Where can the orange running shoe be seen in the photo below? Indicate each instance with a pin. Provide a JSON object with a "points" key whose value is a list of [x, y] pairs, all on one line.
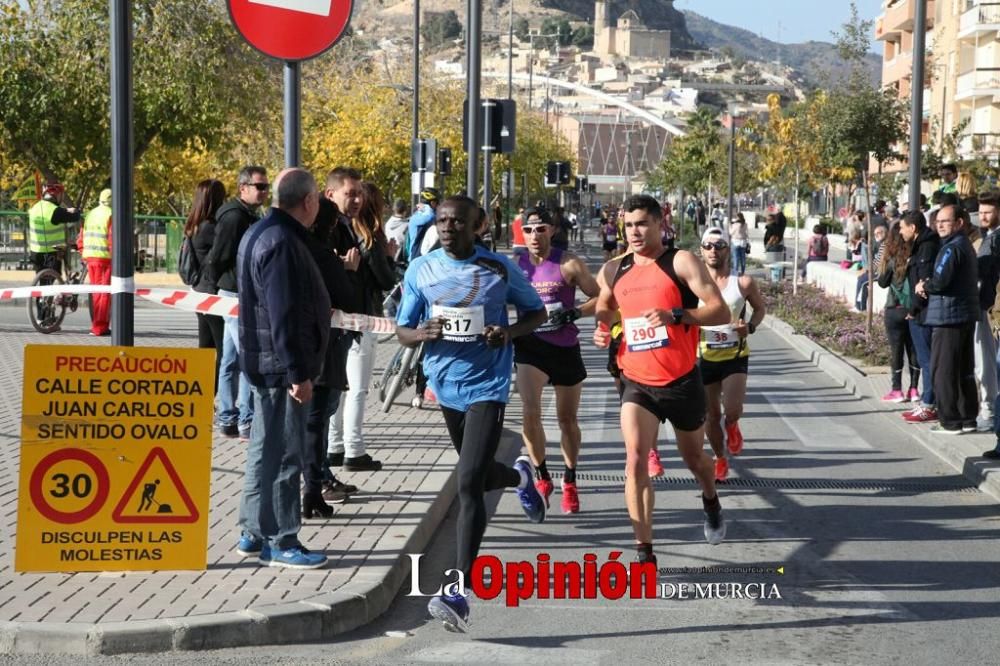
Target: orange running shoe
{"points": [[721, 469], [544, 488], [570, 498], [655, 466], [734, 438]]}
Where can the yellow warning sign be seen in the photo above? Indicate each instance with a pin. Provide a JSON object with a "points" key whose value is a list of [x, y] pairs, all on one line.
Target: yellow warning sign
{"points": [[116, 448]]}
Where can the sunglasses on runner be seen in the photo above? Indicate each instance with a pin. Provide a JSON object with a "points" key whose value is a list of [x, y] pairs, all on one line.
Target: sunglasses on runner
{"points": [[536, 229], [261, 187], [717, 245]]}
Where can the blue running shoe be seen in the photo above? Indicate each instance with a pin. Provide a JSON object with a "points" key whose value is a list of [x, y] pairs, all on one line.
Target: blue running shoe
{"points": [[249, 545], [296, 557], [531, 500], [452, 610]]}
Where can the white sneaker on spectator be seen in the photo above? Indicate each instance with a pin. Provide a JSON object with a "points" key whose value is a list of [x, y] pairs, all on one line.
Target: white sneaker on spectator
{"points": [[984, 423]]}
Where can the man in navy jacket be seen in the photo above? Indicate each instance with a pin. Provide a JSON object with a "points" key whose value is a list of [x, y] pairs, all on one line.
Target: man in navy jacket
{"points": [[953, 310], [284, 330]]}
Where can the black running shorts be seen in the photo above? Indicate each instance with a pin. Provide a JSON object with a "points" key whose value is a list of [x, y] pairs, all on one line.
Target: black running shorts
{"points": [[563, 365], [682, 401], [713, 372]]}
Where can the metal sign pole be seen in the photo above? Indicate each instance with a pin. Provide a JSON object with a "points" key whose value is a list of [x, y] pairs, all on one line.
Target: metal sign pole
{"points": [[415, 196], [473, 52], [293, 114], [122, 239], [488, 106]]}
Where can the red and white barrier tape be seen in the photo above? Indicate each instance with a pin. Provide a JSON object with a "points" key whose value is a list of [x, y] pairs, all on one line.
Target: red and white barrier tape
{"points": [[193, 301]]}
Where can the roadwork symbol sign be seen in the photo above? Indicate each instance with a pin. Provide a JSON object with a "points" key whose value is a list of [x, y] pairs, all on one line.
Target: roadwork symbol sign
{"points": [[156, 495], [116, 458]]}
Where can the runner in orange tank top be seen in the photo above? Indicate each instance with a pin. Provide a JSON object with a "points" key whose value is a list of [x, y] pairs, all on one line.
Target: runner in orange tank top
{"points": [[657, 291]]}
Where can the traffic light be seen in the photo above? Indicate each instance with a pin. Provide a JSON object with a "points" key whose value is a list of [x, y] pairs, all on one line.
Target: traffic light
{"points": [[556, 173], [444, 161], [581, 184]]}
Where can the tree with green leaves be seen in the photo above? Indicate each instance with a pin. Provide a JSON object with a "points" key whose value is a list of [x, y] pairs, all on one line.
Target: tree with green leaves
{"points": [[865, 122], [440, 27], [195, 80]]}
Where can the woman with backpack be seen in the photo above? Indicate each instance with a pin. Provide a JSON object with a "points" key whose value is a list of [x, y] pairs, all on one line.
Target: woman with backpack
{"points": [[199, 235], [891, 271]]}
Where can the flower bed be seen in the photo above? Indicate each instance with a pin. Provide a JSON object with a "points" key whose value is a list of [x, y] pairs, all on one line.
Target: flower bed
{"points": [[827, 322]]}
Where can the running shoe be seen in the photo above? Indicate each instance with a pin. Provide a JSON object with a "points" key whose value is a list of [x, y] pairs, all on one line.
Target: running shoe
{"points": [[715, 525], [921, 414], [452, 610], [721, 469], [984, 423], [894, 395], [249, 545], [940, 429], [994, 454], [296, 557], [570, 498], [642, 558], [913, 395], [734, 438], [545, 489], [531, 500], [417, 402], [655, 466]]}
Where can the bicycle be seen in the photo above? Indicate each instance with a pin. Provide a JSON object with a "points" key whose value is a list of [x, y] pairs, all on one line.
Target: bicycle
{"points": [[400, 371], [46, 313]]}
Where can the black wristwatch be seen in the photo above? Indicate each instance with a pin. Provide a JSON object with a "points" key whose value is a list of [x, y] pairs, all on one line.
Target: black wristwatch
{"points": [[678, 315], [751, 328]]}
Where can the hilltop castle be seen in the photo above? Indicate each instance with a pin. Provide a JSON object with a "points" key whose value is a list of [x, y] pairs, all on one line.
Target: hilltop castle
{"points": [[629, 37]]}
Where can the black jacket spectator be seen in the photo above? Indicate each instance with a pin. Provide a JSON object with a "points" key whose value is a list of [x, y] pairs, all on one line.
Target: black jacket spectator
{"points": [[232, 221], [342, 296], [952, 287], [284, 305], [919, 267], [988, 259], [202, 244]]}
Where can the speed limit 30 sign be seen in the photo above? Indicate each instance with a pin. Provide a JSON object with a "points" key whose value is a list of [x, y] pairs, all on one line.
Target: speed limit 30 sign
{"points": [[116, 454]]}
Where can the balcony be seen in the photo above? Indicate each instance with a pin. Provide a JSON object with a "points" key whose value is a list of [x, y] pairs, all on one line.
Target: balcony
{"points": [[977, 83], [900, 67], [899, 16], [979, 144], [982, 18], [883, 34]]}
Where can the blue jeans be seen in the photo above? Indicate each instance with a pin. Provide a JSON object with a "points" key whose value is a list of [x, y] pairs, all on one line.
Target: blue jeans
{"points": [[270, 507], [922, 345], [227, 410], [740, 259]]}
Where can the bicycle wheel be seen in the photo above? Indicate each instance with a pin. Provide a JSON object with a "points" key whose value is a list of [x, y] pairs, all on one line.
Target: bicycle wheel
{"points": [[397, 382], [47, 312], [391, 369]]}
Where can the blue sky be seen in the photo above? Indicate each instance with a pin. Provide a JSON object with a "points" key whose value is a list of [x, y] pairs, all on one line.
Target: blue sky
{"points": [[800, 20]]}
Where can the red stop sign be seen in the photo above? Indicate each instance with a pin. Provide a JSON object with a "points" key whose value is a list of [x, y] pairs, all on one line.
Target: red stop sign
{"points": [[291, 29]]}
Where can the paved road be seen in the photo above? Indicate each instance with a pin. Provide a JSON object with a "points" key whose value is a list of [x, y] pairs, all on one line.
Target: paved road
{"points": [[889, 555]]}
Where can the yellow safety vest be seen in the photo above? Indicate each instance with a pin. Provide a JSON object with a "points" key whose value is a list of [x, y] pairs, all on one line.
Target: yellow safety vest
{"points": [[95, 233], [43, 236]]}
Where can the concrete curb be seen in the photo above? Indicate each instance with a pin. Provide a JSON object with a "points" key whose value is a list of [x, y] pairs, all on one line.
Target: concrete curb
{"points": [[837, 368], [958, 452], [357, 603]]}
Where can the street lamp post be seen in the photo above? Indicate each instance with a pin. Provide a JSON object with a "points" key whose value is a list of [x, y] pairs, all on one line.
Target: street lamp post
{"points": [[416, 93], [531, 59], [732, 162]]}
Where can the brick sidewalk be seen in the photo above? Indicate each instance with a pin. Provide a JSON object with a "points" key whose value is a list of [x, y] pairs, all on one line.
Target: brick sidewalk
{"points": [[234, 601]]}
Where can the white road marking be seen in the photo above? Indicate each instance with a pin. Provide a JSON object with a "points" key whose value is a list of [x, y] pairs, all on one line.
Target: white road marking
{"points": [[813, 429], [480, 652]]}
